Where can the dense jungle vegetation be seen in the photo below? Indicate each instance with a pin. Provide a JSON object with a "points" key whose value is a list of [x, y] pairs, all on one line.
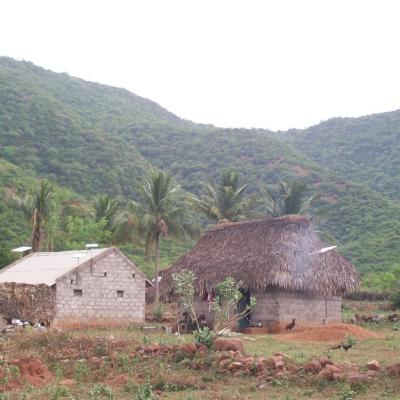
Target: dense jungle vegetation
{"points": [[90, 140]]}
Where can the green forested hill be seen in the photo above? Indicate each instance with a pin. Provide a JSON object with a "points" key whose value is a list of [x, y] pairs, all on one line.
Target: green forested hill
{"points": [[365, 149], [363, 222], [96, 139]]}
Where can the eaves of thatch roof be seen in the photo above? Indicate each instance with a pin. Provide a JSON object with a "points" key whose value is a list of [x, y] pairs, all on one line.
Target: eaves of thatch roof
{"points": [[278, 252]]}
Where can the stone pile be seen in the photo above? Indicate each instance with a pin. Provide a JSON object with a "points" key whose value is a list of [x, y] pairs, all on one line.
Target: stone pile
{"points": [[277, 366], [377, 318], [350, 373]]}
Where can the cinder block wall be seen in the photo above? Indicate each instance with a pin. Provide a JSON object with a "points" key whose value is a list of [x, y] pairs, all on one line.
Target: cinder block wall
{"points": [[278, 306], [275, 308], [100, 304]]}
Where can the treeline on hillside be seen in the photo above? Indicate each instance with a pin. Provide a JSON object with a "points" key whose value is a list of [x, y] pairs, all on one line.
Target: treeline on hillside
{"points": [[364, 150], [162, 210]]}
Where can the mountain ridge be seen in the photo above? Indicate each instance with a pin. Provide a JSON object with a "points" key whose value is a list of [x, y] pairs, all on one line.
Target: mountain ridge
{"points": [[95, 139]]}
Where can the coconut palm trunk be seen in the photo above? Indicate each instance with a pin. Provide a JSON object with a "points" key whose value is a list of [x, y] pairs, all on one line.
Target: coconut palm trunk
{"points": [[157, 249], [37, 233]]}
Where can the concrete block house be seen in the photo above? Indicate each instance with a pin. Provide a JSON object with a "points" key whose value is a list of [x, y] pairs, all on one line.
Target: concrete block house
{"points": [[98, 287], [281, 261]]}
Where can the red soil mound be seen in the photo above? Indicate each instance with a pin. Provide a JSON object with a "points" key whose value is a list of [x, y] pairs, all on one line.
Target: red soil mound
{"points": [[328, 333], [31, 370]]}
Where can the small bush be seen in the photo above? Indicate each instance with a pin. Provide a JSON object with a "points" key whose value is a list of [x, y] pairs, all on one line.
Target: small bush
{"points": [[124, 363], [346, 393], [158, 312], [204, 336], [100, 390], [144, 392], [82, 371], [57, 391]]}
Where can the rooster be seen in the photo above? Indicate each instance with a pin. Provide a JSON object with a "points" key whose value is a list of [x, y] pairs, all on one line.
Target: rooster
{"points": [[346, 347], [290, 326]]}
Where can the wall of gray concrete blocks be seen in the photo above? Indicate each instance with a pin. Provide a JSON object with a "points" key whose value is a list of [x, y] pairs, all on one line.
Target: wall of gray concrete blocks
{"points": [[282, 306], [275, 308], [100, 303]]}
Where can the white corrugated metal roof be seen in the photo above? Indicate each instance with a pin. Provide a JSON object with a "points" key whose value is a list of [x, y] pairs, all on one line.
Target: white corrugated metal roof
{"points": [[46, 267]]}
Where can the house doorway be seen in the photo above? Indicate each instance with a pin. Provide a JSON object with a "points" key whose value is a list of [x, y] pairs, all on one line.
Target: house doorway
{"points": [[241, 307]]}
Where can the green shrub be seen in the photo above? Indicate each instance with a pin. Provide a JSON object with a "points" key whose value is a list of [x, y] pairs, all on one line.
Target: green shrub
{"points": [[158, 312], [204, 336], [82, 371], [57, 391], [144, 392], [346, 393], [100, 390]]}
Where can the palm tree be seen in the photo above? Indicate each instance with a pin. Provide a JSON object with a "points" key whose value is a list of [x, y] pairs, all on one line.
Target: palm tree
{"points": [[162, 213], [290, 200], [37, 206], [106, 208], [226, 202]]}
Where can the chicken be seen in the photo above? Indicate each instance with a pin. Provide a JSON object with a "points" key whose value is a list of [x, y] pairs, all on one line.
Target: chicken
{"points": [[346, 347], [290, 326]]}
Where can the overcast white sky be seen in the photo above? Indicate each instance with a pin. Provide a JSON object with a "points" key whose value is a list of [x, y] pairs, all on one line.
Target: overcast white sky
{"points": [[268, 64]]}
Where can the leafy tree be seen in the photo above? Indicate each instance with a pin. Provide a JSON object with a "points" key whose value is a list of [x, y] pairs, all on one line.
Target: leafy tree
{"points": [[79, 231], [162, 213], [290, 199], [226, 202], [224, 305], [184, 287]]}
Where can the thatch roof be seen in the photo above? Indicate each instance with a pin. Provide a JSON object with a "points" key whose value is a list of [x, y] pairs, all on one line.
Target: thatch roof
{"points": [[278, 252]]}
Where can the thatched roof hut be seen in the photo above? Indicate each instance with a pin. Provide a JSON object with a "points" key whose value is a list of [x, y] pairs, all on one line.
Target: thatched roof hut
{"points": [[282, 253]]}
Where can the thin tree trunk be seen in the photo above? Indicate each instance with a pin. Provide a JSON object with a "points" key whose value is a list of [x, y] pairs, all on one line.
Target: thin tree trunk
{"points": [[147, 246], [36, 233], [157, 265]]}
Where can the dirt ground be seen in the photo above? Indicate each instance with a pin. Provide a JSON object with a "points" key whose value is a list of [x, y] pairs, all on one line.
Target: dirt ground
{"points": [[126, 364], [334, 333]]}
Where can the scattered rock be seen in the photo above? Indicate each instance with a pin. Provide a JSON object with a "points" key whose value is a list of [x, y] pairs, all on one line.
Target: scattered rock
{"points": [[235, 365], [356, 378], [313, 367], [325, 361], [393, 370], [330, 372], [228, 344], [188, 348], [373, 365]]}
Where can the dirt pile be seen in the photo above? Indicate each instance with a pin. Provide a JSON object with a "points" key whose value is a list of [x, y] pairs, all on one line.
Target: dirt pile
{"points": [[329, 333], [14, 374], [33, 371]]}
